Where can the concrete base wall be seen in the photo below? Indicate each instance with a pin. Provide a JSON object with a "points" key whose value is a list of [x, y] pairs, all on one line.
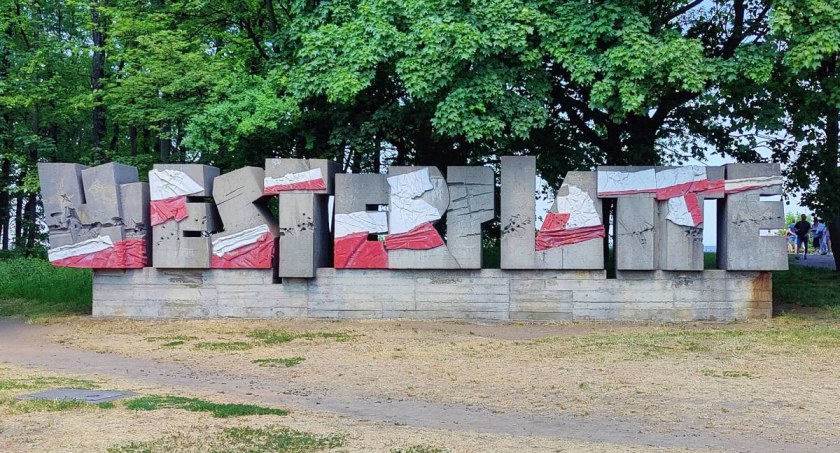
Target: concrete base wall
{"points": [[489, 294]]}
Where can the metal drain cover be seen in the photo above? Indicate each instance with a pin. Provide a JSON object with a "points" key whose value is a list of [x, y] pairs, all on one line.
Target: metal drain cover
{"points": [[88, 396]]}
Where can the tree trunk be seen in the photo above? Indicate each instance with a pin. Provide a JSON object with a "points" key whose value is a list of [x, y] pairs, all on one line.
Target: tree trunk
{"points": [[165, 144], [832, 154], [5, 203], [19, 213], [132, 139], [96, 76]]}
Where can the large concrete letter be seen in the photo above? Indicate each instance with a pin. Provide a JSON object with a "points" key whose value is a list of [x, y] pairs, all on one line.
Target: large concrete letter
{"points": [[303, 187], [249, 228], [742, 215], [418, 199], [471, 203], [96, 216], [518, 216], [571, 236], [357, 215], [182, 226]]}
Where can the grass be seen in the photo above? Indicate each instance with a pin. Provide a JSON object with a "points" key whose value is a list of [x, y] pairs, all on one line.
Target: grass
{"points": [[241, 439], [219, 410], [277, 336], [809, 287], [788, 336], [222, 346], [183, 338], [33, 288], [46, 382], [44, 405], [419, 449], [278, 362]]}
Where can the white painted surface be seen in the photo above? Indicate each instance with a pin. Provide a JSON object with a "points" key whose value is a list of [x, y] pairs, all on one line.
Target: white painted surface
{"points": [[678, 212], [624, 181], [294, 178], [360, 222], [407, 209], [580, 207], [681, 175], [225, 244], [94, 245], [165, 184]]}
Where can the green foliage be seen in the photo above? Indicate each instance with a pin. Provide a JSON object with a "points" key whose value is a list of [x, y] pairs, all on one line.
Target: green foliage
{"points": [[274, 336], [220, 410], [239, 439], [806, 286], [290, 362], [33, 288], [222, 346]]}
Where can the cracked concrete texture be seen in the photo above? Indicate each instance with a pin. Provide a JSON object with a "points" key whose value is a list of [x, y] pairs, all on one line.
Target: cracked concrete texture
{"points": [[635, 241]]}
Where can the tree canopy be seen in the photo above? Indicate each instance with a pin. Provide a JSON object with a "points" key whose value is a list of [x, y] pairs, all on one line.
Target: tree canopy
{"points": [[431, 82]]}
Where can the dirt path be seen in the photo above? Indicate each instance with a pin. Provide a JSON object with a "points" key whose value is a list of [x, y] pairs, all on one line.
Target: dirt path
{"points": [[27, 346]]}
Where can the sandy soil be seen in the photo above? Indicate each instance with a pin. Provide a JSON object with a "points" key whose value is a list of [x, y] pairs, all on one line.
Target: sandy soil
{"points": [[564, 387]]}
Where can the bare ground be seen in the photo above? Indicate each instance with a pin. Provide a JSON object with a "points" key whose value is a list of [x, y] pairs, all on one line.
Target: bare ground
{"points": [[767, 386]]}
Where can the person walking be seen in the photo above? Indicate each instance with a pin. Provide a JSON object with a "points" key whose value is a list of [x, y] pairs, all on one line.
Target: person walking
{"points": [[791, 237], [824, 238], [819, 233], [802, 228]]}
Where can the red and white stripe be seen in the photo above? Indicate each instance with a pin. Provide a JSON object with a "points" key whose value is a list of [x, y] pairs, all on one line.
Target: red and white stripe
{"points": [[352, 249], [168, 190], [575, 221], [101, 253], [306, 180], [680, 186], [248, 249]]}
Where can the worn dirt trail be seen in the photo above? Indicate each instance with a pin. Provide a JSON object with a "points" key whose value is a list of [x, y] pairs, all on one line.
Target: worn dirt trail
{"points": [[27, 345]]}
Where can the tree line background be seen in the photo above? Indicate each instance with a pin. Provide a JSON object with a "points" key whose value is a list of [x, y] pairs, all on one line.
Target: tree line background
{"points": [[437, 82]]}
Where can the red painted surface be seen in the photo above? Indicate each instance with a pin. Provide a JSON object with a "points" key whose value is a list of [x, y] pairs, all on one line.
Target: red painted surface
{"points": [[744, 189], [252, 256], [312, 184], [558, 238], [704, 187], [422, 237], [692, 202], [125, 254], [354, 251], [168, 209]]}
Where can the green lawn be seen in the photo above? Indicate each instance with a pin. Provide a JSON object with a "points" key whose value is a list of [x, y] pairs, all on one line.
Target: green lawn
{"points": [[34, 288]]}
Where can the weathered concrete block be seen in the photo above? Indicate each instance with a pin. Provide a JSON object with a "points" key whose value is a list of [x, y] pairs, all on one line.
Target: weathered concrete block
{"points": [[304, 242], [471, 204], [184, 243], [742, 215], [102, 192], [635, 233], [240, 200], [518, 240]]}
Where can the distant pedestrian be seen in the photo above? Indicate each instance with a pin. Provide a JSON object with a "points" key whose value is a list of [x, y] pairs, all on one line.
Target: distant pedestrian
{"points": [[824, 238], [819, 231], [802, 228], [791, 237]]}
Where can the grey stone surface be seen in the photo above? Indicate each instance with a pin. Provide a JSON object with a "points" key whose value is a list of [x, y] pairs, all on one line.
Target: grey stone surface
{"points": [[680, 248], [62, 194], [187, 244], [277, 168], [471, 203], [583, 255], [437, 197], [743, 215], [304, 242], [240, 201], [82, 203], [489, 294], [625, 168], [102, 192], [356, 193], [635, 232], [134, 198], [518, 236]]}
